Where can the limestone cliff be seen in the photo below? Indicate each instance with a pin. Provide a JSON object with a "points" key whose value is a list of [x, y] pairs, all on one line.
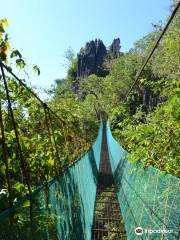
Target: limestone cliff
{"points": [[92, 57]]}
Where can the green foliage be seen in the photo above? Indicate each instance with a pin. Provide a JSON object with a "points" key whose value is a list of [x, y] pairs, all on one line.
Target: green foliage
{"points": [[15, 53], [20, 63], [4, 41], [72, 71], [155, 142], [36, 70], [153, 139], [39, 151]]}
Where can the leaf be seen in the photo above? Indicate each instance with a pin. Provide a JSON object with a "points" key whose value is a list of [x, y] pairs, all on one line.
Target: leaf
{"points": [[20, 63], [18, 186], [16, 53], [142, 80], [4, 23], [9, 68], [3, 55], [36, 70], [3, 170], [26, 204], [1, 29]]}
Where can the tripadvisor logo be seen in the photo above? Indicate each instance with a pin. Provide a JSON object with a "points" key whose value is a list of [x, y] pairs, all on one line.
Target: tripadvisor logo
{"points": [[139, 231]]}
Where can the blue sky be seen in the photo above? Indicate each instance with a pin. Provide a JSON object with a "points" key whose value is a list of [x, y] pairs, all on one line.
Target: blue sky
{"points": [[43, 29]]}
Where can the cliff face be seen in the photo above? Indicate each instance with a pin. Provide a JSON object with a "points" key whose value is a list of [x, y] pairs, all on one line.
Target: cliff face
{"points": [[90, 60], [92, 56], [115, 47]]}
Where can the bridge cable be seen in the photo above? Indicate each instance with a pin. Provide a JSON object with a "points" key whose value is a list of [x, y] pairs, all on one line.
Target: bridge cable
{"points": [[153, 50], [55, 142], [5, 159], [31, 91], [21, 157]]}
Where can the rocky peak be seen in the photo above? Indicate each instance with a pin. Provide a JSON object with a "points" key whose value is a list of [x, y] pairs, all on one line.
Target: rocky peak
{"points": [[115, 47], [92, 56], [90, 59]]}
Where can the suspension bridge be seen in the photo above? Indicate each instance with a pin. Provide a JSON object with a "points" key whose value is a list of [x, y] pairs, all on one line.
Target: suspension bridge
{"points": [[99, 196]]}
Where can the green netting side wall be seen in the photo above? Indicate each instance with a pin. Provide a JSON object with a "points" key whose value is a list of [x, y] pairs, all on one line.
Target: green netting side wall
{"points": [[148, 198], [61, 209]]}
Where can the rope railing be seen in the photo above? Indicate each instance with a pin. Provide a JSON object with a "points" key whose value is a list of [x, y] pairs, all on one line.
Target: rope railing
{"points": [[21, 157], [30, 90], [48, 125], [148, 197], [153, 50], [5, 159]]}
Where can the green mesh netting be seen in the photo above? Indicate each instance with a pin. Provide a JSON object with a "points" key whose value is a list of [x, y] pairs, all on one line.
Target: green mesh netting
{"points": [[60, 209], [148, 198]]}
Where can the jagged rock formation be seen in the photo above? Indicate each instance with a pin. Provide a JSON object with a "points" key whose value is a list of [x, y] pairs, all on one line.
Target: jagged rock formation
{"points": [[92, 57], [115, 47]]}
